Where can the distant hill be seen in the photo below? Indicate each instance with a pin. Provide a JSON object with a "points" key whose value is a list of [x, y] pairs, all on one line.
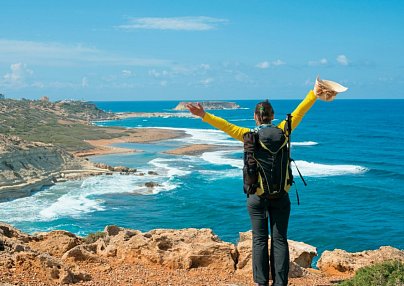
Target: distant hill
{"points": [[63, 123], [210, 105]]}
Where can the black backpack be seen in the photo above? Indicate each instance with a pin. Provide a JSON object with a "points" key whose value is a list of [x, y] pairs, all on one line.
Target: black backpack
{"points": [[267, 161]]}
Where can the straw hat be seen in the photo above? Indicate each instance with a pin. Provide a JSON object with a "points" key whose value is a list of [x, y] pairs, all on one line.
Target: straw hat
{"points": [[327, 89]]}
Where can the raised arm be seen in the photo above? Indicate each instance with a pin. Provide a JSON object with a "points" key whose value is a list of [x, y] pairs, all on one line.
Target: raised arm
{"points": [[233, 130], [300, 111]]}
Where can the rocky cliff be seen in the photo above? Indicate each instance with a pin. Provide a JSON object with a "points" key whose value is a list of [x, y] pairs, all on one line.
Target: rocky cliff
{"points": [[210, 105], [28, 166], [120, 256]]}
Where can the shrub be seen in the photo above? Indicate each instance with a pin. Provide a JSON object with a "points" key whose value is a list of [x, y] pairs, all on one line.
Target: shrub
{"points": [[389, 273], [94, 236]]}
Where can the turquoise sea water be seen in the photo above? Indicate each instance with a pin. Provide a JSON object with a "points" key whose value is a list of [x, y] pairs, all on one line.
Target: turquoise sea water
{"points": [[351, 153]]}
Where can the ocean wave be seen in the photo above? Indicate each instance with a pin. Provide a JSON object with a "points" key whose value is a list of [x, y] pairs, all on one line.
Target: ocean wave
{"points": [[84, 199], [75, 198], [304, 143], [312, 169], [246, 119], [220, 158], [309, 169], [204, 136], [163, 165], [213, 175]]}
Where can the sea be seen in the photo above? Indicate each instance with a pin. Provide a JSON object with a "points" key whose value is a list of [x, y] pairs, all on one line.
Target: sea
{"points": [[350, 152]]}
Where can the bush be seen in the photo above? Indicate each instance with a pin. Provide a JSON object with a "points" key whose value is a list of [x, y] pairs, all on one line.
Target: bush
{"points": [[389, 273], [94, 236]]}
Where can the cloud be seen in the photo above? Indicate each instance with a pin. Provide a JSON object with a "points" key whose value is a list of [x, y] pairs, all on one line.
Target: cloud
{"points": [[266, 64], [17, 76], [56, 54], [321, 62], [200, 23], [127, 73], [278, 63], [206, 81], [342, 60], [263, 65]]}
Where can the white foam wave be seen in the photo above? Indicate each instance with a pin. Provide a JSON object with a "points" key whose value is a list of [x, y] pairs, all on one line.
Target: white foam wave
{"points": [[219, 158], [70, 205], [75, 198], [304, 143], [163, 166], [205, 136], [236, 120], [309, 169], [212, 175], [83, 199], [312, 169]]}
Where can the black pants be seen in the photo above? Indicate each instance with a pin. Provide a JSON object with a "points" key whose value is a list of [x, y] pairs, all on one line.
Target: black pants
{"points": [[278, 211]]}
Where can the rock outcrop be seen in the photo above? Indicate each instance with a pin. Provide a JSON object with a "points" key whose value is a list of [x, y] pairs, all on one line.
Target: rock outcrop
{"points": [[60, 257], [210, 105], [340, 260], [20, 259]]}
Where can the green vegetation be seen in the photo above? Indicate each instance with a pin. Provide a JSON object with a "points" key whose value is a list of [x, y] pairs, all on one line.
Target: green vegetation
{"points": [[64, 124], [389, 273], [94, 236]]}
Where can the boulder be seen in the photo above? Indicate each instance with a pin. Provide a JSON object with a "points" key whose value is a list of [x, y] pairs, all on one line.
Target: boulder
{"points": [[342, 261], [56, 243], [176, 249], [81, 253]]}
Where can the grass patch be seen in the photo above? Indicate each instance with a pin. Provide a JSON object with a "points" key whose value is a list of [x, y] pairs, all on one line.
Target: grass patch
{"points": [[389, 273]]}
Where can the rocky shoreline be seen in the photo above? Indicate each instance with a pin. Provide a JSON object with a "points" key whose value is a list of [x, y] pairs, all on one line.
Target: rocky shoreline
{"points": [[26, 167], [120, 256]]}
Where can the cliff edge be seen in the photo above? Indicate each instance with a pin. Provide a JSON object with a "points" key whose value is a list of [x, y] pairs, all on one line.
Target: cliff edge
{"points": [[28, 166], [121, 256]]}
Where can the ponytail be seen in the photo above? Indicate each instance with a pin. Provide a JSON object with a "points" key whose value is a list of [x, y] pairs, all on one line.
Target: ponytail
{"points": [[264, 112]]}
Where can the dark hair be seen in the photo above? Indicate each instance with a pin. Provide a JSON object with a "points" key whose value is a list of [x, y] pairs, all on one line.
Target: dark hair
{"points": [[264, 112]]}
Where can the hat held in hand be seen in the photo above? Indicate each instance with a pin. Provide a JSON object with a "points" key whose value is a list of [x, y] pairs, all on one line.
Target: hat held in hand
{"points": [[327, 90]]}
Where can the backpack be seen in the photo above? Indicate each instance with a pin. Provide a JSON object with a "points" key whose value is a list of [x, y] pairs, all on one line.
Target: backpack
{"points": [[267, 161]]}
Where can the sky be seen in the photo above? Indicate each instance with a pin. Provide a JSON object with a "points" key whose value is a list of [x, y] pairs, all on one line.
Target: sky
{"points": [[199, 50]]}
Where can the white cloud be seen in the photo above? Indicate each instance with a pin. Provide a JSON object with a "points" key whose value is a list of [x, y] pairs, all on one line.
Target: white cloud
{"points": [[320, 62], [206, 81], [342, 60], [17, 76], [205, 66], [263, 65], [127, 73], [56, 54], [278, 63], [266, 64], [200, 23]]}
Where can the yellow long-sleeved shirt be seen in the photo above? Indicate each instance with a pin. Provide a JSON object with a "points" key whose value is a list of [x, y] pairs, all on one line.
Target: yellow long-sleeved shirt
{"points": [[237, 132]]}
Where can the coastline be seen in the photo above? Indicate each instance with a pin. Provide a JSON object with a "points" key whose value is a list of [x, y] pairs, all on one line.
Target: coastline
{"points": [[143, 135]]}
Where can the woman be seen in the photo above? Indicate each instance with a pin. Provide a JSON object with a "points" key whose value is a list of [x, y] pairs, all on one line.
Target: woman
{"points": [[258, 206]]}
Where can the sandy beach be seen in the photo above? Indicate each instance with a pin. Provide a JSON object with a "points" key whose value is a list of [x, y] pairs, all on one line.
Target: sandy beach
{"points": [[143, 135], [194, 150]]}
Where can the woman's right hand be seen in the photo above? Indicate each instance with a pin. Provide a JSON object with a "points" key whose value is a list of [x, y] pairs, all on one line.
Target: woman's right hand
{"points": [[196, 109]]}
